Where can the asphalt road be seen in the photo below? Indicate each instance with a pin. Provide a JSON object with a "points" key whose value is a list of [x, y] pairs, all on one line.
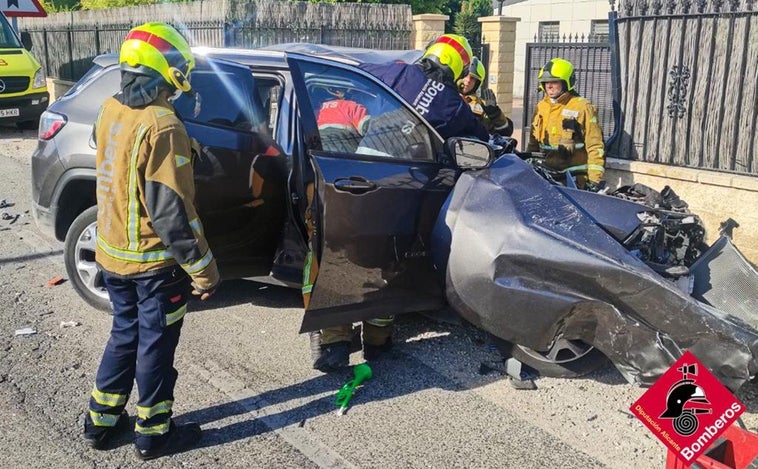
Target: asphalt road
{"points": [[245, 376]]}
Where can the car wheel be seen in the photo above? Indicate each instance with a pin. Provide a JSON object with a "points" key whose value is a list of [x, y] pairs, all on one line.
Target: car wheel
{"points": [[565, 359], [79, 257]]}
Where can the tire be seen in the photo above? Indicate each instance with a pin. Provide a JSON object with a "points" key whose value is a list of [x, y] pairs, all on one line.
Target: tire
{"points": [[79, 257], [566, 359]]}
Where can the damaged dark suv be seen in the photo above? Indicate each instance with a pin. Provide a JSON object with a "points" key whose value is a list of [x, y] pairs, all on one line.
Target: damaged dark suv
{"points": [[565, 277]]}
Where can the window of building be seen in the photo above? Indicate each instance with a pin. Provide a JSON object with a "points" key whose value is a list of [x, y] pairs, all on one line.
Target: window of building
{"points": [[548, 31], [599, 30]]}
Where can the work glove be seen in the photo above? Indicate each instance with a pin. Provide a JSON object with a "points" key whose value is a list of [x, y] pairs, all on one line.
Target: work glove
{"points": [[489, 96], [593, 186], [206, 282], [565, 150], [492, 111]]}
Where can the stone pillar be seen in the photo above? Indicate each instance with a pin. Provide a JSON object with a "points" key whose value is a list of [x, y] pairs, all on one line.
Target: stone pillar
{"points": [[500, 33], [425, 28]]}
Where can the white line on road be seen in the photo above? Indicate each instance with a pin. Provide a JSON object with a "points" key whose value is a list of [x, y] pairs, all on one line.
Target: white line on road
{"points": [[270, 415]]}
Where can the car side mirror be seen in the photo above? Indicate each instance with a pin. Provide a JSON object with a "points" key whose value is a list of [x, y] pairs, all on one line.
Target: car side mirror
{"points": [[469, 153], [26, 40]]}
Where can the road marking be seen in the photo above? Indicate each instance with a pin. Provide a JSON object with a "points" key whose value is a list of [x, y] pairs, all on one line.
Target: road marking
{"points": [[270, 415]]}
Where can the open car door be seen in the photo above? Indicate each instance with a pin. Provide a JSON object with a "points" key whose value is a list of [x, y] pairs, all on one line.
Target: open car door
{"points": [[231, 126], [378, 187]]}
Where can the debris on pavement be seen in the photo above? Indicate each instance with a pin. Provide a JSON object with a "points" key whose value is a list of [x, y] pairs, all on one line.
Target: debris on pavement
{"points": [[4, 203], [68, 324], [361, 373], [25, 331], [520, 377], [6, 216], [55, 281]]}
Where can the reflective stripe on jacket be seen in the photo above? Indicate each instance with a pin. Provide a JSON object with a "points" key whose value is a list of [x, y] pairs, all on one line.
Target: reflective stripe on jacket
{"points": [[548, 133], [146, 220]]}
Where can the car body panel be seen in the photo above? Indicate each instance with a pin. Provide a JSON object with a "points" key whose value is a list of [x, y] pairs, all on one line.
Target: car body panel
{"points": [[540, 267]]}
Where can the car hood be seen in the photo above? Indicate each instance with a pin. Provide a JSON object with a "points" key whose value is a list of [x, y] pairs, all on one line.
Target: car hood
{"points": [[528, 264], [17, 62]]}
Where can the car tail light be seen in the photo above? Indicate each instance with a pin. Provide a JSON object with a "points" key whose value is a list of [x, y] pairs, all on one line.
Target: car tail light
{"points": [[50, 123]]}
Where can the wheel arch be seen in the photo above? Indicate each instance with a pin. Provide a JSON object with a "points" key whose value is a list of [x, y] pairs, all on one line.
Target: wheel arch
{"points": [[75, 194]]}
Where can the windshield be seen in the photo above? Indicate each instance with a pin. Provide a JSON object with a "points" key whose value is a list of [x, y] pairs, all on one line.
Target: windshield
{"points": [[8, 37]]}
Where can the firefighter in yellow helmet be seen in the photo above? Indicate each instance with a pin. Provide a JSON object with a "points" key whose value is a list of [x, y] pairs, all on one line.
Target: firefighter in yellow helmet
{"points": [[150, 243], [484, 107], [565, 127]]}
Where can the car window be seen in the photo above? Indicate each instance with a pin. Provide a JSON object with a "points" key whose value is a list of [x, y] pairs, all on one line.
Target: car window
{"points": [[84, 81], [228, 98], [270, 92], [356, 115], [7, 36]]}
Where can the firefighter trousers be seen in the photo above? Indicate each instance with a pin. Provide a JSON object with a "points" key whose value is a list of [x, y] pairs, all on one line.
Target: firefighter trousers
{"points": [[148, 314]]}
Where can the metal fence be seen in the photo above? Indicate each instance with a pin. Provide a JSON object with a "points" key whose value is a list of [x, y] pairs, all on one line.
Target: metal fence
{"points": [[592, 65], [688, 72], [66, 43]]}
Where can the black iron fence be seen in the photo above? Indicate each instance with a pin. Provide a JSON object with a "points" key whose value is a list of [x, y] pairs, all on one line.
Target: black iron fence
{"points": [[593, 67], [688, 72]]}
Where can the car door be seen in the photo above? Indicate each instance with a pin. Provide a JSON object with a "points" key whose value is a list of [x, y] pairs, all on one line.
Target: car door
{"points": [[232, 128], [380, 179]]}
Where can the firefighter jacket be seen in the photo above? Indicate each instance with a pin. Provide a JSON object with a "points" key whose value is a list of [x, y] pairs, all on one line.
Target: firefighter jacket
{"points": [[567, 131], [146, 220], [343, 114], [497, 124], [438, 102]]}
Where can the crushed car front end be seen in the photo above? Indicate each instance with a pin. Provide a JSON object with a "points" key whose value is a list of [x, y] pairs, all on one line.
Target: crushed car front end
{"points": [[533, 263]]}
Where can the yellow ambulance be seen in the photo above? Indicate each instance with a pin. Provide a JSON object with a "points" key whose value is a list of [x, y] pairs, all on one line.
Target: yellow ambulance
{"points": [[23, 91]]}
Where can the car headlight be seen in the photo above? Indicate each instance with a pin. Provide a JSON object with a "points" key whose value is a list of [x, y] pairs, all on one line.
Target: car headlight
{"points": [[39, 79]]}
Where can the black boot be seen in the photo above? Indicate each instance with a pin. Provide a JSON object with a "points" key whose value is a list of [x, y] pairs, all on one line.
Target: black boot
{"points": [[179, 438], [332, 357], [374, 352], [99, 437]]}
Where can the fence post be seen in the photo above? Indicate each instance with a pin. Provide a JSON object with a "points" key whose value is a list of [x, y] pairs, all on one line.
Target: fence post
{"points": [[613, 38], [71, 53], [47, 57], [500, 33], [97, 40], [427, 27]]}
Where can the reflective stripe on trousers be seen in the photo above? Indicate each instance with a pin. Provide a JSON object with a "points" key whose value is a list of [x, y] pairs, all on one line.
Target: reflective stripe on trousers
{"points": [[148, 315]]}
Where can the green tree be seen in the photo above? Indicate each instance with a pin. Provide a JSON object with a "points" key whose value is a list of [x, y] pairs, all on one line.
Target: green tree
{"points": [[466, 21]]}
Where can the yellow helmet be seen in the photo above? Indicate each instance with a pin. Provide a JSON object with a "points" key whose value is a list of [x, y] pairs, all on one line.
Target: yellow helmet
{"points": [[159, 48], [476, 69], [557, 70], [451, 51]]}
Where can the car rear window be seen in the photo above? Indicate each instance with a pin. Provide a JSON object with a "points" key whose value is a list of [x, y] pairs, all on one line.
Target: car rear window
{"points": [[85, 80]]}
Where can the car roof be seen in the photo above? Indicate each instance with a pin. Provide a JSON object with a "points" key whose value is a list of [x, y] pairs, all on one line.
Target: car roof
{"points": [[274, 56]]}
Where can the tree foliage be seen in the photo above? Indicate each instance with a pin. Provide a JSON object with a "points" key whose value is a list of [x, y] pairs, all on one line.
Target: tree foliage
{"points": [[466, 21]]}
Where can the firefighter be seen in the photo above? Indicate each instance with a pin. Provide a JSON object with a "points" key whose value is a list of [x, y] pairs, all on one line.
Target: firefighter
{"points": [[486, 109], [341, 122], [429, 86], [565, 127], [150, 243]]}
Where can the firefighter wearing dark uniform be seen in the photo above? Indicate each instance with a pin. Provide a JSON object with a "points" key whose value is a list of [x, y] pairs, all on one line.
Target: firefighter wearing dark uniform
{"points": [[565, 127], [150, 243], [487, 110], [430, 87]]}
